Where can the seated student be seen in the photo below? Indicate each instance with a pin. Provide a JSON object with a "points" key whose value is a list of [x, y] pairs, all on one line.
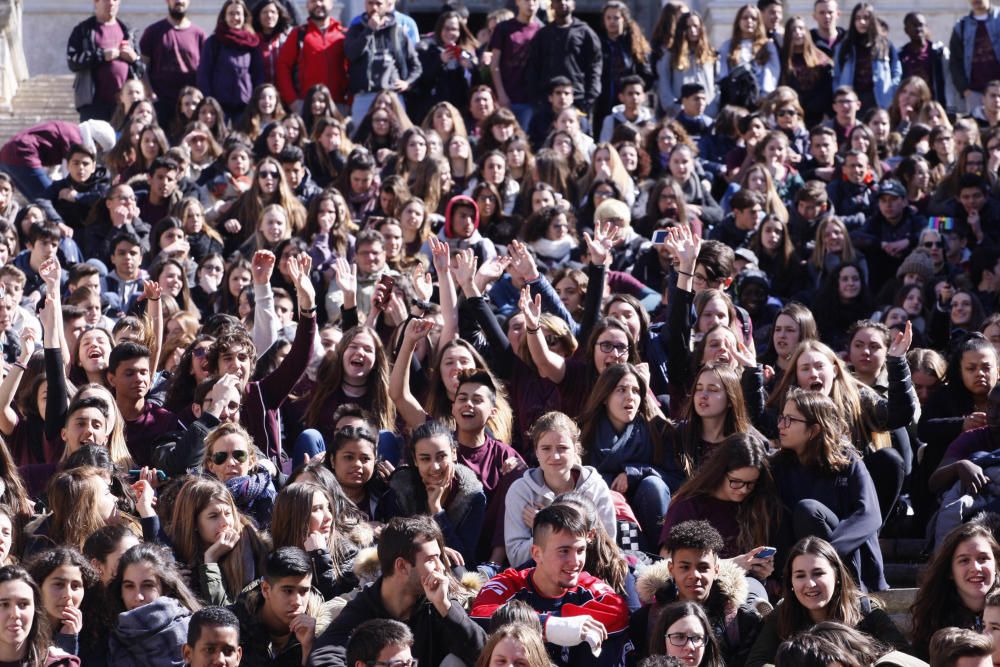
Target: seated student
{"points": [[580, 613], [85, 184], [695, 573], [27, 642], [152, 607], [846, 106], [890, 232], [957, 647], [955, 584], [230, 457], [216, 401], [13, 281], [213, 639], [684, 633], [438, 485], [116, 214], [692, 116], [124, 282], [381, 641], [851, 195], [414, 588], [976, 214], [737, 227], [43, 243], [820, 588], [278, 614], [821, 162], [461, 229], [632, 110], [162, 193], [560, 98], [300, 181], [128, 376], [515, 642]]}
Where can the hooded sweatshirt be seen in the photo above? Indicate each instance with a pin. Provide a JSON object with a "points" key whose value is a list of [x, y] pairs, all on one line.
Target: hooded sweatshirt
{"points": [[482, 246], [531, 490]]}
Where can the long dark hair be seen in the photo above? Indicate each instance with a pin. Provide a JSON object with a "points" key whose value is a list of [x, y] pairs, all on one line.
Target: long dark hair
{"points": [[163, 563], [874, 41], [737, 419], [757, 513], [596, 407]]}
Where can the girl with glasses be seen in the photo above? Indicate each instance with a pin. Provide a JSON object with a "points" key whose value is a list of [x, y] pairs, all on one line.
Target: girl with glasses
{"points": [[687, 636], [819, 587], [219, 544], [734, 491], [825, 486], [231, 458]]}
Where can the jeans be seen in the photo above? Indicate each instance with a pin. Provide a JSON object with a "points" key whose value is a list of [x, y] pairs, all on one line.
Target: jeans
{"points": [[31, 182], [310, 442], [362, 102], [523, 113], [650, 502]]}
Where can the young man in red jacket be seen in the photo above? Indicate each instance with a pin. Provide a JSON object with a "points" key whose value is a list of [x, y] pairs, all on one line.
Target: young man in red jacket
{"points": [[585, 622], [313, 53]]}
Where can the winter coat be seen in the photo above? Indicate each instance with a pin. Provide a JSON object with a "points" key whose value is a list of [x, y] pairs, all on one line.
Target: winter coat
{"points": [[310, 56], [573, 51], [150, 636], [962, 43], [83, 56], [531, 490], [228, 74], [462, 518], [886, 73], [378, 59], [735, 623]]}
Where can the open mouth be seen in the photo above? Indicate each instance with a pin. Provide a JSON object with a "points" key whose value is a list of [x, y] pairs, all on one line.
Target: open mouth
{"points": [[816, 386]]}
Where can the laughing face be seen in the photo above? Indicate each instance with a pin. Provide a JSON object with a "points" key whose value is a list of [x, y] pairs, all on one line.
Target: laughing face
{"points": [[973, 568], [814, 583], [473, 407], [435, 459], [359, 357]]}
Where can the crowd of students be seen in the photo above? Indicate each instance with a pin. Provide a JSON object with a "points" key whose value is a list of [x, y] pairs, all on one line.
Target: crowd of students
{"points": [[344, 345]]}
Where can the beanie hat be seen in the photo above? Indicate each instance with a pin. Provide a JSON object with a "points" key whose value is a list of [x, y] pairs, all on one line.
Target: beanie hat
{"points": [[97, 134], [459, 200], [918, 262]]}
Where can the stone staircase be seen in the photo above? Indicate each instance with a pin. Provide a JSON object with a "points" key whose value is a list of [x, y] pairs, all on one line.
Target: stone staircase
{"points": [[40, 98]]}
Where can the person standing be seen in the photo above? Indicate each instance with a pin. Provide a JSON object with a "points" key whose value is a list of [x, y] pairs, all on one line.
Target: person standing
{"points": [[510, 45], [568, 47], [171, 51], [231, 65], [313, 54], [102, 53], [381, 57], [975, 52]]}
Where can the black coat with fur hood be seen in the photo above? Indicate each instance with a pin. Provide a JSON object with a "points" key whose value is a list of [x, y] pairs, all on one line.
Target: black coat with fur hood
{"points": [[735, 622]]}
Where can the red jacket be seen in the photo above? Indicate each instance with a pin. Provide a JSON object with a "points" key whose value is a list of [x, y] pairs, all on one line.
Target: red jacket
{"points": [[321, 60]]}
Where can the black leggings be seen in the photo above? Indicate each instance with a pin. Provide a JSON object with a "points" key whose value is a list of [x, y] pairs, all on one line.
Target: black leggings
{"points": [[887, 471]]}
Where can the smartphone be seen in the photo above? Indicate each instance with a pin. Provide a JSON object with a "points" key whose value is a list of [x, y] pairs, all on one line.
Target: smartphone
{"points": [[160, 475], [389, 282], [659, 236], [766, 552]]}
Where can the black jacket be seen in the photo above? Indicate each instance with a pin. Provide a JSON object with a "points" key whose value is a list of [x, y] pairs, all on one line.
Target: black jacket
{"points": [[83, 56], [572, 51], [378, 59], [434, 636], [73, 213]]}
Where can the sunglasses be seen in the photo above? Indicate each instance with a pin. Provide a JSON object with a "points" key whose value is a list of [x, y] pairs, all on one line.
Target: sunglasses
{"points": [[933, 244], [200, 352], [787, 112], [239, 455], [267, 174]]}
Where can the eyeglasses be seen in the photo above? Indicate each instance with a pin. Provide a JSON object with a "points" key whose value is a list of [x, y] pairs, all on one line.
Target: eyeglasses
{"points": [[933, 244], [267, 174], [787, 112], [682, 639], [125, 198], [240, 455], [784, 421], [608, 347], [412, 662], [737, 484]]}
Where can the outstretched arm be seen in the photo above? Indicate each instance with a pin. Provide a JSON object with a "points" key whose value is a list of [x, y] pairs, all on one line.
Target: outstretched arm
{"points": [[399, 381], [446, 290]]}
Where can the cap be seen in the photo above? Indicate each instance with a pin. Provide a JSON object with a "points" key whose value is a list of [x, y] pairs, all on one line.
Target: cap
{"points": [[747, 255], [891, 187], [97, 135]]}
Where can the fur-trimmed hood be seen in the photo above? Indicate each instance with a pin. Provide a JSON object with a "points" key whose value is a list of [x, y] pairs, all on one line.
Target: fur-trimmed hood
{"points": [[654, 584], [412, 498], [324, 611]]}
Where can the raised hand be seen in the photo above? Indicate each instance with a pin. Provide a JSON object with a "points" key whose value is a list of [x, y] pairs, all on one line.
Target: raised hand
{"points": [[599, 245], [417, 328], [492, 269], [465, 267], [151, 290], [29, 337], [531, 308], [683, 245], [346, 275], [262, 266], [423, 283], [298, 271], [441, 256], [522, 262], [51, 273], [901, 342]]}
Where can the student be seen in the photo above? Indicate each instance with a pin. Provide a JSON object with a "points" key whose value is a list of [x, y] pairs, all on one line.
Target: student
{"points": [[691, 61], [827, 34], [694, 573], [414, 588], [231, 457], [510, 44], [736, 228], [979, 28], [69, 594], [684, 634], [556, 440], [852, 197], [579, 610], [866, 60], [632, 109], [213, 639], [750, 46], [104, 548], [152, 607], [819, 587], [23, 641], [952, 647], [380, 641], [85, 183], [438, 485], [278, 614], [955, 584], [890, 233], [515, 642]]}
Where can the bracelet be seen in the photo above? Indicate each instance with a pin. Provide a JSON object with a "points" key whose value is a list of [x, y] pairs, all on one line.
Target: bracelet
{"points": [[307, 311], [18, 364], [535, 330], [152, 299], [685, 273]]}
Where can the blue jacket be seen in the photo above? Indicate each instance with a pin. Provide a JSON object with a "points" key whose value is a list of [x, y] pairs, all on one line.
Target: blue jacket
{"points": [[886, 74], [963, 39]]}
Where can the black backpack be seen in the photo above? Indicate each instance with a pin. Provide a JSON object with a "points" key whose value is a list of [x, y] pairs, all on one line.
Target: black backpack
{"points": [[740, 88]]}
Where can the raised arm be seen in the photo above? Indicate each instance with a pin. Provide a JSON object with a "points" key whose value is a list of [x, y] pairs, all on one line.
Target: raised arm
{"points": [[446, 290], [551, 366], [151, 291], [10, 384], [54, 341], [265, 319], [278, 384], [399, 380]]}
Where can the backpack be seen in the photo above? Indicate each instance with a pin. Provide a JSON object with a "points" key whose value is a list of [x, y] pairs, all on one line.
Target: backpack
{"points": [[740, 88]]}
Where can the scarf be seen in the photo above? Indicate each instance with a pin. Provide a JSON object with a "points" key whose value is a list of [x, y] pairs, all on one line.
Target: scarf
{"points": [[555, 250], [241, 40], [613, 453]]}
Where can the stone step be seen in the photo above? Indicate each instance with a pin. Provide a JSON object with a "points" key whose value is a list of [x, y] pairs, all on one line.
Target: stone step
{"points": [[896, 603], [903, 549], [902, 575], [39, 99]]}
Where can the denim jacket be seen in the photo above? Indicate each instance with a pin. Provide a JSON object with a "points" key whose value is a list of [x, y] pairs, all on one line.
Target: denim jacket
{"points": [[886, 74], [963, 41]]}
